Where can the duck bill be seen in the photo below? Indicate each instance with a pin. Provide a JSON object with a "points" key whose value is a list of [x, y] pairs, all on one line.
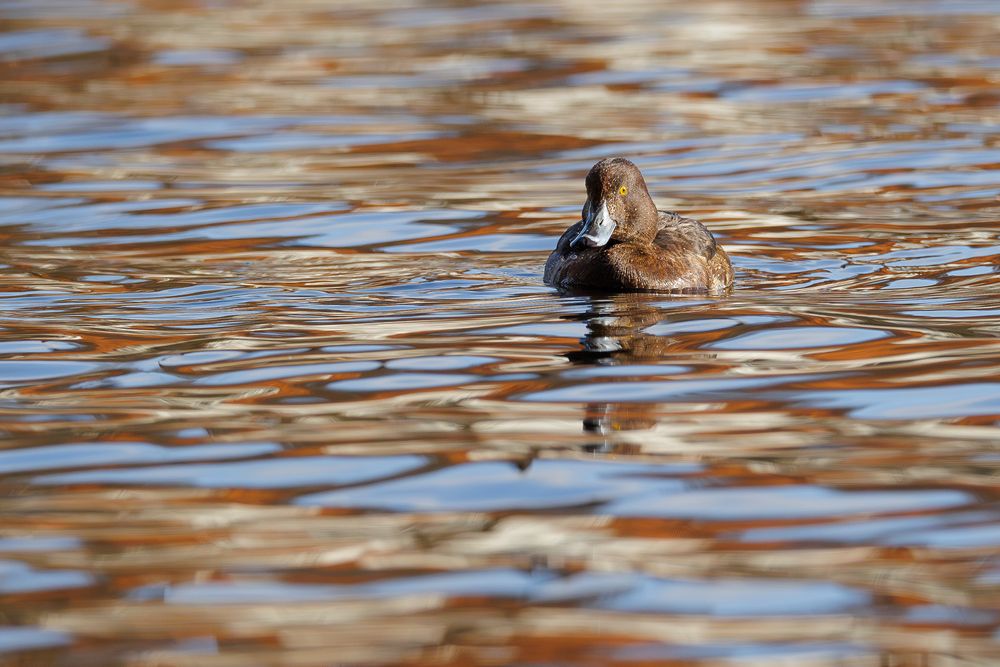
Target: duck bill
{"points": [[597, 229]]}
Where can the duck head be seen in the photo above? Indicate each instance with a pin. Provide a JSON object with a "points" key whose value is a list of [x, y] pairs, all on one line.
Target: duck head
{"points": [[618, 206]]}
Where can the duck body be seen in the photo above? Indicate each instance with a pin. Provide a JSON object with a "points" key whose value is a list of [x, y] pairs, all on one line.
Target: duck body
{"points": [[624, 244]]}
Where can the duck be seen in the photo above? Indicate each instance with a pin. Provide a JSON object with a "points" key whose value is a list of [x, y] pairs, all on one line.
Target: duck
{"points": [[623, 243]]}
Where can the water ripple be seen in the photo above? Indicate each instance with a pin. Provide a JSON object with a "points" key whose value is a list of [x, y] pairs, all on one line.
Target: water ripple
{"points": [[281, 379]]}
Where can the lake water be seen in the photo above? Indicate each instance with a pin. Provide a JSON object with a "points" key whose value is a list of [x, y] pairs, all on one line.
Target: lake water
{"points": [[280, 383]]}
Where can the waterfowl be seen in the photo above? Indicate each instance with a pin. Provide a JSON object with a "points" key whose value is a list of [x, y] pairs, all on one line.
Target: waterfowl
{"points": [[624, 244]]}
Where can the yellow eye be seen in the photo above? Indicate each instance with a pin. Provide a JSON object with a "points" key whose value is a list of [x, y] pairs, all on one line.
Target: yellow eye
{"points": [[623, 191]]}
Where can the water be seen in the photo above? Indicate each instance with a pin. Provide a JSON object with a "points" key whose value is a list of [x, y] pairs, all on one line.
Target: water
{"points": [[280, 382]]}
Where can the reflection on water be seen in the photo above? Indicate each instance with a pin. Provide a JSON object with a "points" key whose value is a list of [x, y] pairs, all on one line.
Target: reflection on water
{"points": [[280, 382]]}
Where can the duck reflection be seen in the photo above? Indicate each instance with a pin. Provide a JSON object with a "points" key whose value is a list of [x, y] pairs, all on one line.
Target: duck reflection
{"points": [[617, 336], [616, 330]]}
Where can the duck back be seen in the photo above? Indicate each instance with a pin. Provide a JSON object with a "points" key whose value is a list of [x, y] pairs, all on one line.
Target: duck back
{"points": [[683, 258]]}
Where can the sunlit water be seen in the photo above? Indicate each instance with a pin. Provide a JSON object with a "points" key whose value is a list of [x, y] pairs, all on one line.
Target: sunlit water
{"points": [[280, 382]]}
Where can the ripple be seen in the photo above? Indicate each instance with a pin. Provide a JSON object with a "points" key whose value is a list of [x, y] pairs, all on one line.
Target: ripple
{"points": [[557, 329], [816, 93], [26, 44], [81, 454], [495, 486], [482, 243], [955, 313], [14, 372], [293, 141], [805, 653], [782, 502], [439, 363], [956, 537], [32, 543], [35, 347], [648, 391], [342, 231], [720, 597], [503, 583], [692, 326], [282, 379], [624, 371], [952, 400], [857, 532], [792, 338], [402, 382], [910, 283], [275, 473], [850, 10], [266, 374], [117, 132], [189, 57], [934, 256], [18, 578], [26, 638], [145, 215]]}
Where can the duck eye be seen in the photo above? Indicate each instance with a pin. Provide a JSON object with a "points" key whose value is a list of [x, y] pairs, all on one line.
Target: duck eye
{"points": [[623, 191]]}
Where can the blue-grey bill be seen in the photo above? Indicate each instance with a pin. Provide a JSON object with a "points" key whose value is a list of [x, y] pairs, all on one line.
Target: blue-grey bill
{"points": [[597, 230]]}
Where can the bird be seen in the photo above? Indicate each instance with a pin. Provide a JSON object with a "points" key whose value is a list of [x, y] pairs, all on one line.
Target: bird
{"points": [[622, 243]]}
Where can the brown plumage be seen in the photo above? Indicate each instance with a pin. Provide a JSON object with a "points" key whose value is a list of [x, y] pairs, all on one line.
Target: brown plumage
{"points": [[624, 244]]}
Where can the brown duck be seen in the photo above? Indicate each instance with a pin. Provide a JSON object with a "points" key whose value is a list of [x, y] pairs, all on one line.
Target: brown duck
{"points": [[624, 244]]}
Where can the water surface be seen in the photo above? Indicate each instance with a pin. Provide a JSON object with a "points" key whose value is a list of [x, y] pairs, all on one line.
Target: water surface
{"points": [[280, 382]]}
